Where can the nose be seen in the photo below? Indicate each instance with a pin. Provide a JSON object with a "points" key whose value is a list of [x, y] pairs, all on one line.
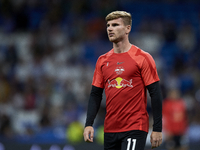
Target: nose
{"points": [[109, 28]]}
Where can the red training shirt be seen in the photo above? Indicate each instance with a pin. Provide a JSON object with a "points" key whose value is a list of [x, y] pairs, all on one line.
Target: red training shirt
{"points": [[174, 116], [124, 76]]}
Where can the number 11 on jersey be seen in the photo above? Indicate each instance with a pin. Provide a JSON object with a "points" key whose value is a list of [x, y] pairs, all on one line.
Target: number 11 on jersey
{"points": [[129, 144]]}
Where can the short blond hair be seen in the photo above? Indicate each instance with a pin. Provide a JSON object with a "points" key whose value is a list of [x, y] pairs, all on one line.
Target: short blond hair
{"points": [[127, 18]]}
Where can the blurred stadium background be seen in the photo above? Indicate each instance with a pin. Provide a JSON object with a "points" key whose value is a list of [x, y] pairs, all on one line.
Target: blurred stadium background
{"points": [[48, 50]]}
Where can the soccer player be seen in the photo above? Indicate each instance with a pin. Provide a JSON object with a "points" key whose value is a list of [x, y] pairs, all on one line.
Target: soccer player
{"points": [[125, 73], [175, 121]]}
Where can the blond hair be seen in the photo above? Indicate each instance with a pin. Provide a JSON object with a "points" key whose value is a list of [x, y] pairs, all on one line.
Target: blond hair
{"points": [[127, 19]]}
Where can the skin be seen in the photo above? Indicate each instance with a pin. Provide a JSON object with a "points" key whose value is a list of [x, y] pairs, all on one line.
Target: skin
{"points": [[156, 139], [118, 34], [88, 134]]}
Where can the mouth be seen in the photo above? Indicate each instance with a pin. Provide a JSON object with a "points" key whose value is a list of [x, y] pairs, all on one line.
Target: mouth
{"points": [[111, 34]]}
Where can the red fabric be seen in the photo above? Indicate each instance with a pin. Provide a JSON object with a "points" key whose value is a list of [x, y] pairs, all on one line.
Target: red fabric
{"points": [[174, 116], [125, 77]]}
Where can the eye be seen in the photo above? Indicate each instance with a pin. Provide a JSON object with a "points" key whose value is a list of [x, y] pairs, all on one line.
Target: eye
{"points": [[115, 24]]}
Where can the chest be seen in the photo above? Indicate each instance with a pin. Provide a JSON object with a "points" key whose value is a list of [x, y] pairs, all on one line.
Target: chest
{"points": [[120, 66]]}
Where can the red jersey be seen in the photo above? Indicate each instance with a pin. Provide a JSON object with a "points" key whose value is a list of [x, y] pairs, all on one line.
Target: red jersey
{"points": [[124, 76], [174, 116]]}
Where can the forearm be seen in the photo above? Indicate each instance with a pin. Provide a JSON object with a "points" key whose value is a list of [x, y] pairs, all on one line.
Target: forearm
{"points": [[93, 105], [156, 104]]}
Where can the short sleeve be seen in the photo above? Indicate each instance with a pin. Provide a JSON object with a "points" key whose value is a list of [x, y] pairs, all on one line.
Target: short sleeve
{"points": [[148, 70], [98, 76]]}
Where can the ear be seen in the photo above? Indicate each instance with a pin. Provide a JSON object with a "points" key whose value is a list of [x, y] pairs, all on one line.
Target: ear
{"points": [[128, 29]]}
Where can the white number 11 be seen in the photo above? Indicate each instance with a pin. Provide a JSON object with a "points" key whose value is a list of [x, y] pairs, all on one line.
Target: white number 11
{"points": [[129, 144]]}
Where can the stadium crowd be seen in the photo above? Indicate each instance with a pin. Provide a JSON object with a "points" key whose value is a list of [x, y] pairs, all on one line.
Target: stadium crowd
{"points": [[48, 50]]}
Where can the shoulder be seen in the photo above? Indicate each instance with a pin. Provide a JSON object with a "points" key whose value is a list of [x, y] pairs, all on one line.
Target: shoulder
{"points": [[139, 55], [105, 56], [182, 101], [166, 101]]}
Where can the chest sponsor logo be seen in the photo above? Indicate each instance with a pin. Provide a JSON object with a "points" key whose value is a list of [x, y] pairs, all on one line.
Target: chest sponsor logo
{"points": [[119, 83]]}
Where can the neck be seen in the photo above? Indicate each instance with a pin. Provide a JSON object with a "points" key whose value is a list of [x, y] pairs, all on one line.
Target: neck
{"points": [[121, 47]]}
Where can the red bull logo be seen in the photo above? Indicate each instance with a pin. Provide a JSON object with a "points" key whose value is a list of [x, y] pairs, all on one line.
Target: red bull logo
{"points": [[119, 83]]}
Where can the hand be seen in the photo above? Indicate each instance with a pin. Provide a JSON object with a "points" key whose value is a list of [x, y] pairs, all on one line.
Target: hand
{"points": [[156, 139], [88, 134]]}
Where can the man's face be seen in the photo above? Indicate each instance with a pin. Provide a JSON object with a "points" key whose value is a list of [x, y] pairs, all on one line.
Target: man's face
{"points": [[117, 30]]}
